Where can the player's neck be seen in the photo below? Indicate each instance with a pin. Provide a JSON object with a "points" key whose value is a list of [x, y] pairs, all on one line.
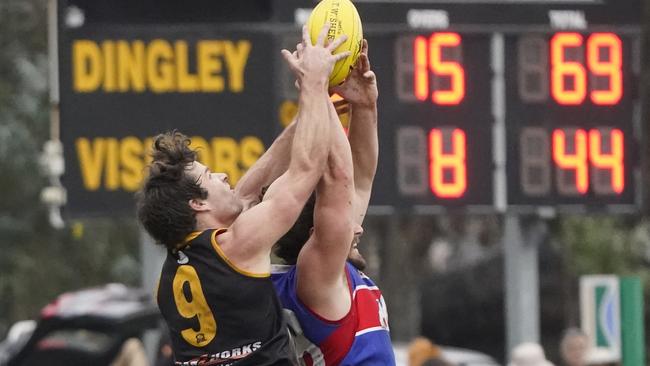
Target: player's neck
{"points": [[205, 221]]}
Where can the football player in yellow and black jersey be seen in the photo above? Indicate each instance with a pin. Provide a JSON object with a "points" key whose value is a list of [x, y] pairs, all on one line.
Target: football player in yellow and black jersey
{"points": [[215, 291]]}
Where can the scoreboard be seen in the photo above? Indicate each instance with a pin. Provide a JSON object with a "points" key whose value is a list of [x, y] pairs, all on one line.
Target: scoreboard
{"points": [[507, 105], [570, 117], [435, 116], [484, 105]]}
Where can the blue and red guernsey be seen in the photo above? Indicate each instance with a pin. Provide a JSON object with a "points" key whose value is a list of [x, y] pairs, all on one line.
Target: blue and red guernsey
{"points": [[360, 338]]}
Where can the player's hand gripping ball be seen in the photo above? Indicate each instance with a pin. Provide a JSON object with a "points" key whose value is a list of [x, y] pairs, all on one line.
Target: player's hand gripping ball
{"points": [[343, 19]]}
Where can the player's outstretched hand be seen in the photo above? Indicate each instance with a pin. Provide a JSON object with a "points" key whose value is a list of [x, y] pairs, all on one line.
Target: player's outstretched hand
{"points": [[314, 62], [360, 87]]}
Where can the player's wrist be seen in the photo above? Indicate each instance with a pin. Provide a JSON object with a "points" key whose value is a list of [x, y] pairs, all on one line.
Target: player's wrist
{"points": [[312, 82], [364, 104]]}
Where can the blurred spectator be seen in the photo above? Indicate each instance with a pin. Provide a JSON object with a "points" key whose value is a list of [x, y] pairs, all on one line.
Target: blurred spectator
{"points": [[165, 355], [573, 347], [132, 353], [528, 354], [422, 352]]}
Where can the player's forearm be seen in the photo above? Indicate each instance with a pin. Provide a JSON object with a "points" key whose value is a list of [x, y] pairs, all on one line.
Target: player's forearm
{"points": [[339, 170], [333, 214], [364, 143], [273, 163], [311, 139]]}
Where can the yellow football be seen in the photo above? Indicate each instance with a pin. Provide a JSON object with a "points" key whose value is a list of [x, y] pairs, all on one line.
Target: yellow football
{"points": [[343, 19]]}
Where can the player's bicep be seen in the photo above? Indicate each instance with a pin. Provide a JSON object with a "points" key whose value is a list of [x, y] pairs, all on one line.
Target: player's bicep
{"points": [[324, 256], [261, 226], [361, 202], [328, 248]]}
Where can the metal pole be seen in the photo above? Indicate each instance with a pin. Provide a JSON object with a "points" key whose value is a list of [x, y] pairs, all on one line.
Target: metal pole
{"points": [[522, 280], [499, 126], [53, 56], [53, 53], [52, 157], [152, 257]]}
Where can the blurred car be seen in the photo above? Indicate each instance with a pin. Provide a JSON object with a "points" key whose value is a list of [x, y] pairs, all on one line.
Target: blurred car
{"points": [[86, 327], [455, 356]]}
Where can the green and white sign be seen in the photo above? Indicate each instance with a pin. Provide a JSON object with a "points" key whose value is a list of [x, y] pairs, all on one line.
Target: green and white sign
{"points": [[601, 313]]}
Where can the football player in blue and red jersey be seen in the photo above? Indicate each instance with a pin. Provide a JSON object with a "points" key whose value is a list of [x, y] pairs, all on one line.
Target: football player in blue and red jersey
{"points": [[341, 311]]}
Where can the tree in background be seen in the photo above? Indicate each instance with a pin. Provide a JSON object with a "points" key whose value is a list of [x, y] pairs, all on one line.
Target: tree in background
{"points": [[603, 245], [37, 263]]}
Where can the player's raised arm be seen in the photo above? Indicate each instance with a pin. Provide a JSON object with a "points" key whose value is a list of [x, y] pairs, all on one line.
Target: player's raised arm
{"points": [[360, 90], [321, 282], [271, 165], [288, 194]]}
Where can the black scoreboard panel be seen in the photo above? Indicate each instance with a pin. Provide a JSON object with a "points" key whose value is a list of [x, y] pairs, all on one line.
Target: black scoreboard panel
{"points": [[481, 14], [435, 120], [563, 105], [570, 111], [123, 84]]}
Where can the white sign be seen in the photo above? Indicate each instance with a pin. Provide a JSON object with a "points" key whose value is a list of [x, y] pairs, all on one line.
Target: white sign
{"points": [[600, 313]]}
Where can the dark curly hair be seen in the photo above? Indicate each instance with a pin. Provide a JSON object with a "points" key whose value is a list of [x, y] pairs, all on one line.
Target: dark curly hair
{"points": [[163, 201], [288, 247]]}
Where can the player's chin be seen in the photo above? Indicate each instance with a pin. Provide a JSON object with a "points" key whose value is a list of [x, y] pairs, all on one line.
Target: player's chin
{"points": [[357, 260]]}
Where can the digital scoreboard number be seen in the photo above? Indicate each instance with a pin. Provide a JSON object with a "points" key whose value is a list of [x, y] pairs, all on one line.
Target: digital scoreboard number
{"points": [[434, 107], [569, 118]]}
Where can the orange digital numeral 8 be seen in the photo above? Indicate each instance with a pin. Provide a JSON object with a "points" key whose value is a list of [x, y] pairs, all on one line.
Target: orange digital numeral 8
{"points": [[453, 162]]}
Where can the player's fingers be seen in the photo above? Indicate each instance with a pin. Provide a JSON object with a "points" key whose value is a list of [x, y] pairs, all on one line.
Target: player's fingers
{"points": [[290, 59], [337, 42], [364, 47], [340, 102], [287, 55], [306, 39], [343, 109], [297, 84], [342, 55], [363, 63], [369, 75], [323, 34], [341, 105], [300, 47]]}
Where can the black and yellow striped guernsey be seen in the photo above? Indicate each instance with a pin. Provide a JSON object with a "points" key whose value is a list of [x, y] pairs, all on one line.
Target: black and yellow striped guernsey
{"points": [[217, 313]]}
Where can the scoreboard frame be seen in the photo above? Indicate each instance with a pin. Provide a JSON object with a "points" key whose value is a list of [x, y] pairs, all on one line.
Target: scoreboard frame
{"points": [[435, 127]]}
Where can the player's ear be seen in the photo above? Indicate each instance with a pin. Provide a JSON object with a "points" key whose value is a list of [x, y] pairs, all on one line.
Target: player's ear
{"points": [[198, 205]]}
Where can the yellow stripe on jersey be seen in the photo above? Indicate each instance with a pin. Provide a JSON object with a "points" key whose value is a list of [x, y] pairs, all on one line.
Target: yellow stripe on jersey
{"points": [[191, 236], [217, 248]]}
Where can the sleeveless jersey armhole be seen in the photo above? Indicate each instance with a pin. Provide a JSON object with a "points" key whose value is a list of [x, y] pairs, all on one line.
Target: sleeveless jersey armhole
{"points": [[220, 253], [345, 317]]}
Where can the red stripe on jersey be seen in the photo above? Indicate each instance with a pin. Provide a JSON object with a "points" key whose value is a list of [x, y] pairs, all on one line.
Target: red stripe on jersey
{"points": [[367, 312], [338, 344], [368, 303]]}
